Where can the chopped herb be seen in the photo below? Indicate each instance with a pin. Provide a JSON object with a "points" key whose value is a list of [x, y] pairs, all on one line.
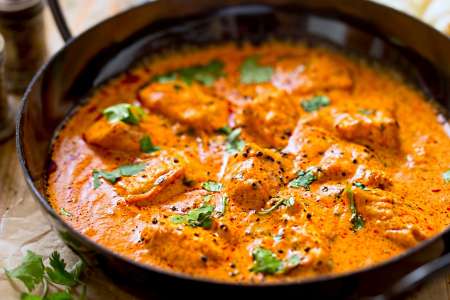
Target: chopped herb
{"points": [[199, 217], [64, 212], [288, 202], [356, 219], [365, 111], [222, 207], [212, 186], [224, 130], [204, 74], [252, 72], [147, 145], [234, 144], [32, 272], [266, 262], [360, 185], [446, 176], [114, 175], [304, 179], [315, 103], [125, 112]]}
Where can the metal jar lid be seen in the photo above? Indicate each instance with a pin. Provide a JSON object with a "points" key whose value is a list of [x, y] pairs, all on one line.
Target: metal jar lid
{"points": [[16, 5]]}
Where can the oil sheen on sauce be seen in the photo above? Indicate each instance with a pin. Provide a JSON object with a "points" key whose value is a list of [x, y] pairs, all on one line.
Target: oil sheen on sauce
{"points": [[254, 163]]}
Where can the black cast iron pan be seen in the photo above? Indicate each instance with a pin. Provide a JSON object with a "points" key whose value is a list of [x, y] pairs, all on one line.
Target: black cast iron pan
{"points": [[111, 47]]}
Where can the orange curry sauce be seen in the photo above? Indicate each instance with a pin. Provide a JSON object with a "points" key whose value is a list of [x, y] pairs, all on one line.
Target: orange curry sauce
{"points": [[252, 164]]}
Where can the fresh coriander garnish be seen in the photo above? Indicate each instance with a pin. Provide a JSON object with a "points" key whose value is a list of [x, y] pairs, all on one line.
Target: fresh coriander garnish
{"points": [[125, 112], [253, 72], [266, 262], [222, 207], [212, 186], [304, 179], [64, 212], [366, 111], [204, 74], [446, 176], [288, 202], [32, 273], [234, 143], [114, 175], [360, 185], [356, 219], [315, 103], [147, 145], [224, 130], [198, 217]]}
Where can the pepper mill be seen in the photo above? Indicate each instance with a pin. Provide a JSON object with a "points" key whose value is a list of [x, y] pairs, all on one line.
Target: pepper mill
{"points": [[22, 27]]}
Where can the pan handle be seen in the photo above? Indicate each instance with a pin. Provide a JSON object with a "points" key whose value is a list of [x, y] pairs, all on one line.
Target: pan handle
{"points": [[416, 278], [60, 20]]}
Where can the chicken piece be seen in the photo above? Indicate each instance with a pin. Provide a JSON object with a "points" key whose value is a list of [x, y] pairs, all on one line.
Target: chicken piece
{"points": [[378, 128], [187, 248], [253, 176], [163, 170], [307, 74], [271, 117], [383, 209], [187, 104], [371, 177], [117, 135]]}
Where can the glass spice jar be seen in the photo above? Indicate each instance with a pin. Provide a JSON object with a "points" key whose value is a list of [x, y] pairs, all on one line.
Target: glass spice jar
{"points": [[22, 26]]}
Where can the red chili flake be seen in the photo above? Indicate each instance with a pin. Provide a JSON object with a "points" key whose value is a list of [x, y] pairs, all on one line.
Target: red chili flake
{"points": [[436, 190]]}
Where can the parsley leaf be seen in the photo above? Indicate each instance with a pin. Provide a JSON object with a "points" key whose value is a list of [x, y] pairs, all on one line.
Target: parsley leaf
{"points": [[212, 186], [147, 145], [264, 261], [315, 103], [204, 74], [58, 274], [65, 295], [234, 143], [114, 175], [125, 112], [222, 207], [26, 296], [199, 217], [360, 185], [253, 72], [356, 219], [288, 202], [446, 176], [30, 272], [304, 179]]}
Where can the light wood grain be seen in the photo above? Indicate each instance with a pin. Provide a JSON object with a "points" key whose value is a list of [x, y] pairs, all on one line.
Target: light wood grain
{"points": [[13, 189]]}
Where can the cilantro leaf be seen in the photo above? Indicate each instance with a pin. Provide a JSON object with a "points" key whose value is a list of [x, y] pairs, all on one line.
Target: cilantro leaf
{"points": [[204, 74], [252, 72], [304, 179], [360, 185], [114, 175], [199, 217], [356, 219], [222, 207], [212, 186], [64, 212], [234, 143], [315, 103], [224, 130], [147, 145], [30, 271], [57, 272], [125, 112], [288, 202], [366, 111], [446, 176], [264, 261]]}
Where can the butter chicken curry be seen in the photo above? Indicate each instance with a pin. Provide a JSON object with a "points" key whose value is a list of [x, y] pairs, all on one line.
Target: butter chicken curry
{"points": [[254, 163]]}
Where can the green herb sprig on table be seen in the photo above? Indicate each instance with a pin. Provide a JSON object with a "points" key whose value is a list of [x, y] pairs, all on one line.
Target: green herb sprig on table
{"points": [[114, 175], [32, 273]]}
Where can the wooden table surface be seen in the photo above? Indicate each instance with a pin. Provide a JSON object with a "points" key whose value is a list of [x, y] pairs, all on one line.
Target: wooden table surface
{"points": [[12, 185]]}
